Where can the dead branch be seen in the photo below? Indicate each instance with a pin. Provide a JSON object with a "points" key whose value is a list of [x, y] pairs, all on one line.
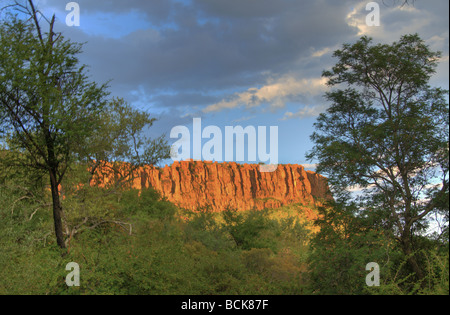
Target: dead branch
{"points": [[82, 227]]}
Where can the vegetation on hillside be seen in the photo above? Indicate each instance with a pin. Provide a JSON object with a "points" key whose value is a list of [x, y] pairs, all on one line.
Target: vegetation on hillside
{"points": [[166, 251], [143, 244]]}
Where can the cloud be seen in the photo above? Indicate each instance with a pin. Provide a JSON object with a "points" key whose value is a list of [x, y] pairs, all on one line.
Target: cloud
{"points": [[322, 52], [183, 58], [201, 45], [275, 93], [158, 11], [305, 112], [421, 17], [310, 166], [188, 53]]}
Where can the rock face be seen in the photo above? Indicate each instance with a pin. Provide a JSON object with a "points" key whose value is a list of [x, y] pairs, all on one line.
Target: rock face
{"points": [[194, 185]]}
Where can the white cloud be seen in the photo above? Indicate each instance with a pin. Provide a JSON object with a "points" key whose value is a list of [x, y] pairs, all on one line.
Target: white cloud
{"points": [[395, 21], [305, 112], [274, 92], [309, 166], [358, 20], [324, 51]]}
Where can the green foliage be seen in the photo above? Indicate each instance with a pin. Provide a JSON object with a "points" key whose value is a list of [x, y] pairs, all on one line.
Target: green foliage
{"points": [[47, 101], [387, 132], [250, 230], [54, 119], [346, 243], [204, 227], [169, 251], [146, 202], [436, 282], [121, 138], [342, 249]]}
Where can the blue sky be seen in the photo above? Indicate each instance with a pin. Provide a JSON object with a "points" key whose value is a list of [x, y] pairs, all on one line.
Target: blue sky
{"points": [[236, 62]]}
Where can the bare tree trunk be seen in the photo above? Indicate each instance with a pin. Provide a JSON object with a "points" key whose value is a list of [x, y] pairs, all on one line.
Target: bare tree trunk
{"points": [[57, 210], [407, 250]]}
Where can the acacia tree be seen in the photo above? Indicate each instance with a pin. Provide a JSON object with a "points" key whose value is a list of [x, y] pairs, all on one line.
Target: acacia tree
{"points": [[52, 115], [387, 133]]}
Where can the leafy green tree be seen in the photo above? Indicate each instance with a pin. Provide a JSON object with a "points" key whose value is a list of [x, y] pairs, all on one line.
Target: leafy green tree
{"points": [[52, 116], [250, 230], [342, 248], [387, 133], [47, 103], [121, 139]]}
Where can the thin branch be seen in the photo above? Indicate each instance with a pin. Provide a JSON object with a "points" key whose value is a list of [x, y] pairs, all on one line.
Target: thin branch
{"points": [[16, 201]]}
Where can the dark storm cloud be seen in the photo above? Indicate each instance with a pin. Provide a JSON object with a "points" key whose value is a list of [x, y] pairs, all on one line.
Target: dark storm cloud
{"points": [[195, 50], [245, 9], [210, 45], [158, 11]]}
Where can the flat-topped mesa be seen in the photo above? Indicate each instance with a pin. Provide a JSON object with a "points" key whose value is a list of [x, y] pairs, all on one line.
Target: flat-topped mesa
{"points": [[194, 185]]}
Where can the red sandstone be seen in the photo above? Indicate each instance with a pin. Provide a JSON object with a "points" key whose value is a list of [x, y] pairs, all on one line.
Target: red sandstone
{"points": [[194, 184]]}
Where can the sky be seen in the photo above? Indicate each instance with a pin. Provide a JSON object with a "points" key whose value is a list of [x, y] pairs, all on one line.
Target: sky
{"points": [[237, 62]]}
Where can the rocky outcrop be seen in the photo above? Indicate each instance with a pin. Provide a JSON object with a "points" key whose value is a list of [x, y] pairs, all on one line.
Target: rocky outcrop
{"points": [[194, 185]]}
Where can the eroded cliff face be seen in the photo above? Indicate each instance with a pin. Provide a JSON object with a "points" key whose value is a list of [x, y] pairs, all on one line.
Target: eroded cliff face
{"points": [[194, 185]]}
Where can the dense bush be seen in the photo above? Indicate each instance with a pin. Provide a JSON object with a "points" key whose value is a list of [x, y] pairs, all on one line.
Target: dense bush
{"points": [[174, 251], [345, 245], [169, 251]]}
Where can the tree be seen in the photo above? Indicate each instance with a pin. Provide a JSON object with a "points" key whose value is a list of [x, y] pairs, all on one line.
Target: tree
{"points": [[121, 140], [52, 116], [387, 133]]}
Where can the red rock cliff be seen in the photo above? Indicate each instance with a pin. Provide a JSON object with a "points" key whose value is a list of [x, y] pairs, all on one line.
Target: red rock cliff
{"points": [[194, 184]]}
